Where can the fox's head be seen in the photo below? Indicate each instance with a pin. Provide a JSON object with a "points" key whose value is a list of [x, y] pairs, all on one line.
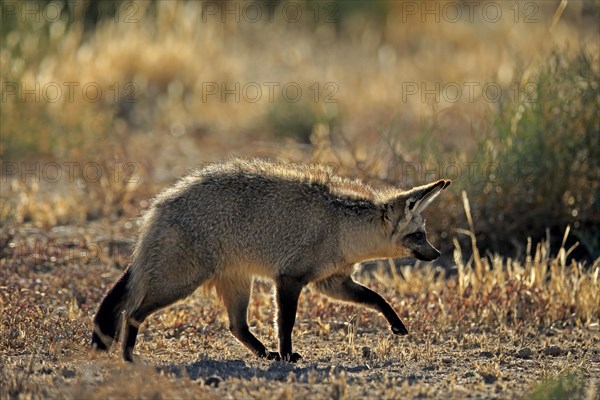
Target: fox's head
{"points": [[406, 225]]}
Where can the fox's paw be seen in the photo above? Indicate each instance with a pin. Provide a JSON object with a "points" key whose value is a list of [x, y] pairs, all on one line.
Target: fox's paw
{"points": [[273, 355], [399, 330], [294, 357], [100, 342]]}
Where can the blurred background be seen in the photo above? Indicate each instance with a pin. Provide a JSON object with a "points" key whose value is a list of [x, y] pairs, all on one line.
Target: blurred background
{"points": [[106, 102]]}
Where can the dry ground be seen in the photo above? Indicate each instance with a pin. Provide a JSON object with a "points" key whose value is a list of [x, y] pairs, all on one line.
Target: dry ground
{"points": [[492, 329]]}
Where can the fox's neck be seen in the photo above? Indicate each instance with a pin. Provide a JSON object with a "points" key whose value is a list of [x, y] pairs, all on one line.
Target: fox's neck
{"points": [[364, 237]]}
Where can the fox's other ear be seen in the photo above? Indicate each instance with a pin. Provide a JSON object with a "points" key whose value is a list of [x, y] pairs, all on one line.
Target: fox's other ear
{"points": [[420, 197]]}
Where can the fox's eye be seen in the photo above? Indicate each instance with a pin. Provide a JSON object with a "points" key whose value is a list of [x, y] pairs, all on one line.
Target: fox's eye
{"points": [[417, 236]]}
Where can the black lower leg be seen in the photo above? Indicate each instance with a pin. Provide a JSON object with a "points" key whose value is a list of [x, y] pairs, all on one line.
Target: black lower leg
{"points": [[288, 292], [243, 334], [362, 294], [132, 328], [345, 288]]}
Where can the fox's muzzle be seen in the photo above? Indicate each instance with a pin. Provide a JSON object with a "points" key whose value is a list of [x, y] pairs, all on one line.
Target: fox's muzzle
{"points": [[431, 254]]}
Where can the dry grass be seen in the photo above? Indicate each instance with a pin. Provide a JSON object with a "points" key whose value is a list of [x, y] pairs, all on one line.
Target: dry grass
{"points": [[169, 67]]}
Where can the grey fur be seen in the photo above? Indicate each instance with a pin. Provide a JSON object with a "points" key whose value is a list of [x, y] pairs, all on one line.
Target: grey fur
{"points": [[295, 224]]}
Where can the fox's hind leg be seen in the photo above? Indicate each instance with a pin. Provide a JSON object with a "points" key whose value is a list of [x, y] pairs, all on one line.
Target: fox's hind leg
{"points": [[343, 287], [161, 293], [236, 296], [132, 327], [150, 304]]}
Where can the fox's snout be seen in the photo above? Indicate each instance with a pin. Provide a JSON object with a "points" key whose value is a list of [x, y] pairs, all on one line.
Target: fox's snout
{"points": [[417, 244], [427, 255], [426, 252]]}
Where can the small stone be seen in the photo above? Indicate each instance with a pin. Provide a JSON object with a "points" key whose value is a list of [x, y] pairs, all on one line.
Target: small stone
{"points": [[212, 381], [553, 351], [68, 373], [366, 352], [489, 378], [447, 360], [525, 352], [486, 354]]}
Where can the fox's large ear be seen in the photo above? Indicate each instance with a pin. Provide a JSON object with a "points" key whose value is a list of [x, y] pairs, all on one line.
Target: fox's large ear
{"points": [[420, 197]]}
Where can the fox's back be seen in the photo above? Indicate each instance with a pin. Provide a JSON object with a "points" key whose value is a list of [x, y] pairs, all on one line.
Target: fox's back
{"points": [[258, 212]]}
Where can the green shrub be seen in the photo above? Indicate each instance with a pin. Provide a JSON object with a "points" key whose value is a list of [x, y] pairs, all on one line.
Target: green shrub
{"points": [[565, 385], [546, 160]]}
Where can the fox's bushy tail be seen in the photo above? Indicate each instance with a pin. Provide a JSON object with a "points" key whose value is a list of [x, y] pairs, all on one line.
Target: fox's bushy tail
{"points": [[107, 319]]}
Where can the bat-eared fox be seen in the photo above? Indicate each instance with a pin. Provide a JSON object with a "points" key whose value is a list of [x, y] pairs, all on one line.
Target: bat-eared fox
{"points": [[295, 224]]}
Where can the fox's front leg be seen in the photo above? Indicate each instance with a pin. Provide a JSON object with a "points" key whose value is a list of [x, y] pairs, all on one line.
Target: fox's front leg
{"points": [[288, 292], [343, 287]]}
